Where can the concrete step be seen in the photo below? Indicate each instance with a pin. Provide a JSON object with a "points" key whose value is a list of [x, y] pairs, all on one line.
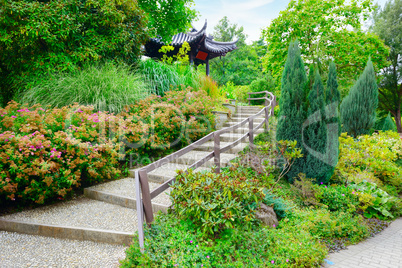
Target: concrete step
{"points": [[166, 172], [230, 137], [239, 119], [193, 156], [244, 130], [209, 146], [80, 219], [231, 123], [122, 193]]}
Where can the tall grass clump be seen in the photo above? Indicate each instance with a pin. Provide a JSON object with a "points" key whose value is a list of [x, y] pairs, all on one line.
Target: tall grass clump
{"points": [[160, 76], [107, 87]]}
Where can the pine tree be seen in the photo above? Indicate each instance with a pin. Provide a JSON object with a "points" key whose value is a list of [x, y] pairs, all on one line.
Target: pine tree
{"points": [[358, 108], [389, 124], [332, 101], [293, 104], [315, 135]]}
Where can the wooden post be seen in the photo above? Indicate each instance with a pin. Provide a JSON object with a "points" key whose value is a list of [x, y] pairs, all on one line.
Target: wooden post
{"points": [[273, 104], [146, 196], [217, 152], [250, 133], [140, 211], [207, 67], [249, 96], [266, 119]]}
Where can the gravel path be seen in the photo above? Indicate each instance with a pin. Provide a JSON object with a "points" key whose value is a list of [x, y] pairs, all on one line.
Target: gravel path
{"points": [[126, 187], [21, 250], [82, 212]]}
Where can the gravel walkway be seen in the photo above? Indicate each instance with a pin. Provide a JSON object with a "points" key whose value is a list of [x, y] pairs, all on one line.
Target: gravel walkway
{"points": [[81, 212], [382, 251], [21, 250]]}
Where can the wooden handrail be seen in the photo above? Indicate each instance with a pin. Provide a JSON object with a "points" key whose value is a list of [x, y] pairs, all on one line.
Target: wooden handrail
{"points": [[144, 196]]}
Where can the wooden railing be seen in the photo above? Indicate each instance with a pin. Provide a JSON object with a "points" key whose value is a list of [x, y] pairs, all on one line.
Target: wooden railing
{"points": [[143, 193], [267, 93]]}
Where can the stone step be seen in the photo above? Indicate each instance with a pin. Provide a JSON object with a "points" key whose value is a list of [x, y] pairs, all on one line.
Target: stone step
{"points": [[193, 156], [239, 119], [231, 123], [230, 137], [80, 219], [244, 130], [209, 146], [166, 172], [122, 193]]}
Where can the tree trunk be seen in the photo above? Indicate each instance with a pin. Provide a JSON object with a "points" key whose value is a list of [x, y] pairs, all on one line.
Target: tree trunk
{"points": [[398, 120]]}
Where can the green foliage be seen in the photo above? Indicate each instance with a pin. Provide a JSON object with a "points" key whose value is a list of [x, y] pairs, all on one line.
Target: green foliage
{"points": [[171, 242], [339, 198], [358, 108], [241, 66], [372, 158], [261, 84], [107, 87], [169, 17], [216, 202], [293, 101], [308, 193], [316, 137], [389, 124], [282, 210], [374, 201], [321, 28], [164, 77], [39, 37], [387, 25], [326, 225]]}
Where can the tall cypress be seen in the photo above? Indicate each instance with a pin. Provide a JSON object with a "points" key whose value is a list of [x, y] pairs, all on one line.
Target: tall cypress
{"points": [[332, 102], [358, 107], [315, 135], [293, 102]]}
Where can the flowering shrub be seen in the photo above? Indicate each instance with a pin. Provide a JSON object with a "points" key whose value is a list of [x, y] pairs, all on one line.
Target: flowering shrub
{"points": [[375, 154], [215, 202], [159, 123], [45, 153]]}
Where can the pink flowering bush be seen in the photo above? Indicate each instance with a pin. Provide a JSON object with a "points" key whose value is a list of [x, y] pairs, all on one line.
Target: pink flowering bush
{"points": [[46, 153]]}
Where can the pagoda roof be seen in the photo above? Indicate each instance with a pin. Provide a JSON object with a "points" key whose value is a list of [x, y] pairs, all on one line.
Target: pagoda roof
{"points": [[198, 41]]}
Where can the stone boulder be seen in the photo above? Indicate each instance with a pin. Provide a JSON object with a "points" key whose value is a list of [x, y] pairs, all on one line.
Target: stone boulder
{"points": [[267, 215]]}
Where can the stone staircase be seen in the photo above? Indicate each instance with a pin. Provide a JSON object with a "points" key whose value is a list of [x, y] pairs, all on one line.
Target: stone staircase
{"points": [[107, 212]]}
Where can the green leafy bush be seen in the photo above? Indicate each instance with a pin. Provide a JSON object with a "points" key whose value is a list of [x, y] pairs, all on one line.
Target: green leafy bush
{"points": [[40, 37], [374, 201], [280, 207], [261, 84], [374, 154], [215, 202], [107, 87], [339, 198]]}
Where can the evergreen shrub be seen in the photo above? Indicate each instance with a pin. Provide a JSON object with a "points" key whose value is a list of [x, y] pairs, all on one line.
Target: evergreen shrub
{"points": [[359, 106]]}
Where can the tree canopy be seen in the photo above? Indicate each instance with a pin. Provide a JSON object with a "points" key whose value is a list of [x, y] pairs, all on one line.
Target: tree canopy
{"points": [[38, 37], [242, 65], [324, 30], [388, 25], [168, 17]]}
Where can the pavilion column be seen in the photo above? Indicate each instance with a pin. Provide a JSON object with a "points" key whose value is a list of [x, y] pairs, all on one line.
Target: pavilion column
{"points": [[207, 67]]}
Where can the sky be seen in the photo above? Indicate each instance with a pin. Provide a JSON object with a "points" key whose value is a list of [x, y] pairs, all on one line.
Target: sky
{"points": [[253, 15]]}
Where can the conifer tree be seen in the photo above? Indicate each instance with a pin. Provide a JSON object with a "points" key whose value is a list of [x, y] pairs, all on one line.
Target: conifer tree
{"points": [[389, 124], [315, 135], [358, 108], [293, 104], [332, 102]]}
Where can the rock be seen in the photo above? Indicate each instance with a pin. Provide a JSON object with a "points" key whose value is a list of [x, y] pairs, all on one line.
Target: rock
{"points": [[267, 215]]}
